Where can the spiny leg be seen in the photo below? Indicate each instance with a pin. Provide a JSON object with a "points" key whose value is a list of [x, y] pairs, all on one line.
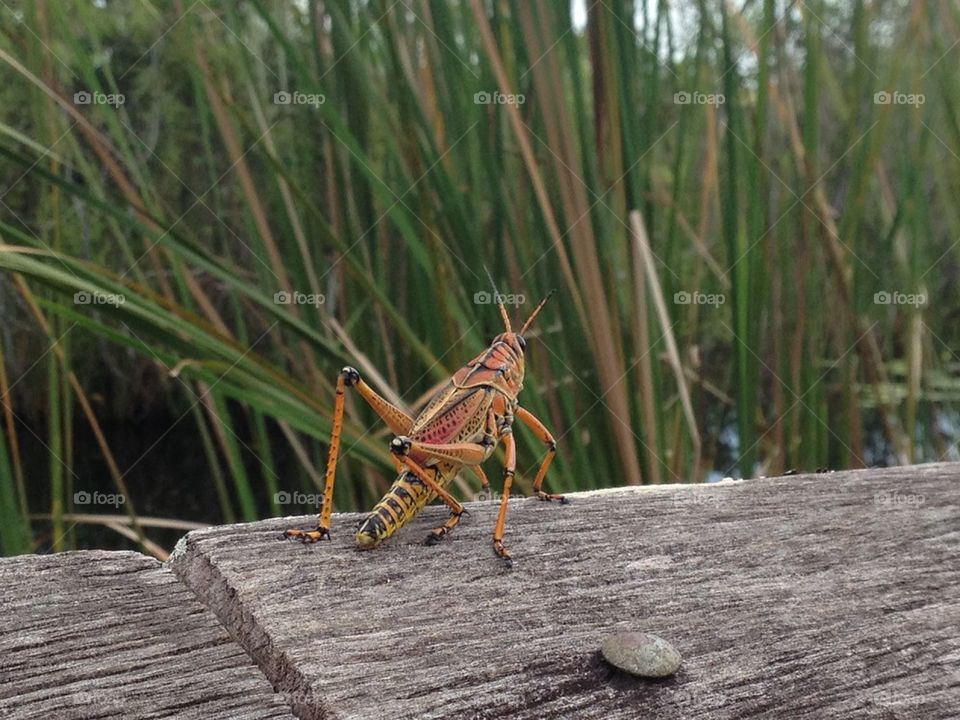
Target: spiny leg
{"points": [[395, 418], [511, 465], [322, 530], [531, 421]]}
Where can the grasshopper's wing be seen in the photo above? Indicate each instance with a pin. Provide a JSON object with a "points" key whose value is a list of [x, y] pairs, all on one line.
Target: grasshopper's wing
{"points": [[459, 410], [455, 414]]}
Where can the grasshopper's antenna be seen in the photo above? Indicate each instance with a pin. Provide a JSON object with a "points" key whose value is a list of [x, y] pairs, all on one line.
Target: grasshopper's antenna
{"points": [[498, 299], [536, 311]]}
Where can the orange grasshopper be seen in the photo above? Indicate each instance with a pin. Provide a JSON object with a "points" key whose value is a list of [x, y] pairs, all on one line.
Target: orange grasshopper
{"points": [[460, 427]]}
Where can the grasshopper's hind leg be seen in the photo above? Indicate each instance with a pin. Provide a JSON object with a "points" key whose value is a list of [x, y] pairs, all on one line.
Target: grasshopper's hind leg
{"points": [[395, 418], [511, 465], [322, 530]]}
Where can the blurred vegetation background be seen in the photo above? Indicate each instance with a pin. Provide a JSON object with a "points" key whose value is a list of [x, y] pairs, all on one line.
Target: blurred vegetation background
{"points": [[207, 208]]}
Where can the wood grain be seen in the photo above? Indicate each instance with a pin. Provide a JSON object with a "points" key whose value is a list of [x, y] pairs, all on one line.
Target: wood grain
{"points": [[823, 596], [114, 635]]}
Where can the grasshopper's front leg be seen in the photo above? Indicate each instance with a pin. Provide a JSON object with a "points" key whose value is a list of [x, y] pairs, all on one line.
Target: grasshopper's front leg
{"points": [[469, 454], [395, 418]]}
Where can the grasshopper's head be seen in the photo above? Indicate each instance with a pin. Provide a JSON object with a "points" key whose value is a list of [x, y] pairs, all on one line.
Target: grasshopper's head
{"points": [[500, 365], [509, 346], [506, 350], [512, 340]]}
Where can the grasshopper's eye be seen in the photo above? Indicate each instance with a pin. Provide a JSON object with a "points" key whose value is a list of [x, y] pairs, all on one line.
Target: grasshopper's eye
{"points": [[522, 342]]}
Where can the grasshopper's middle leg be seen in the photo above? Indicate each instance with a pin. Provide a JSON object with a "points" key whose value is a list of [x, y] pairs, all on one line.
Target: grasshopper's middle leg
{"points": [[484, 480], [395, 418], [509, 470]]}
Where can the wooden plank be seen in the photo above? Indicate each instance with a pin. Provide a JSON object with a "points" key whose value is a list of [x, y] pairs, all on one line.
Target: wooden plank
{"points": [[115, 635], [799, 597]]}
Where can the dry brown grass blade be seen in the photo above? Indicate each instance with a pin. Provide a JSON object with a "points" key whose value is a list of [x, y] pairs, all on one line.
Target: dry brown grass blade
{"points": [[645, 368], [300, 452], [529, 159], [660, 305], [154, 522], [602, 329], [220, 429], [663, 199], [370, 372], [151, 547], [239, 165]]}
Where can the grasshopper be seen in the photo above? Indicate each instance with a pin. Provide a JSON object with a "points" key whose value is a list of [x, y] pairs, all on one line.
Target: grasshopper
{"points": [[460, 427]]}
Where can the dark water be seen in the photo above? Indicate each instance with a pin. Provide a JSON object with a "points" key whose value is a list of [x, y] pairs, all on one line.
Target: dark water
{"points": [[164, 467]]}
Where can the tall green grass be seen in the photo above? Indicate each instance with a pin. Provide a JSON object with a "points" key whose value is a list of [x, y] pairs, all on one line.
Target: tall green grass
{"points": [[739, 159]]}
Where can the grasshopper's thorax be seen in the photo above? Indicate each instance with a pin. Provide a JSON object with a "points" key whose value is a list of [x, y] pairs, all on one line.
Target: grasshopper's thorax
{"points": [[500, 366]]}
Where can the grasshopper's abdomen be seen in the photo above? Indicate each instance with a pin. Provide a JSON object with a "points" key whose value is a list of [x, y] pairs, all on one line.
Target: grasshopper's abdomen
{"points": [[405, 498]]}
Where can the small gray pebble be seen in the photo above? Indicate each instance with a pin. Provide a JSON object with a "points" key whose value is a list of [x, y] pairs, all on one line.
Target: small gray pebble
{"points": [[641, 654]]}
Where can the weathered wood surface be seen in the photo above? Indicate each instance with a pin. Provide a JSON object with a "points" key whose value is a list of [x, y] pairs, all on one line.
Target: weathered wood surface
{"points": [[826, 596], [115, 635]]}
